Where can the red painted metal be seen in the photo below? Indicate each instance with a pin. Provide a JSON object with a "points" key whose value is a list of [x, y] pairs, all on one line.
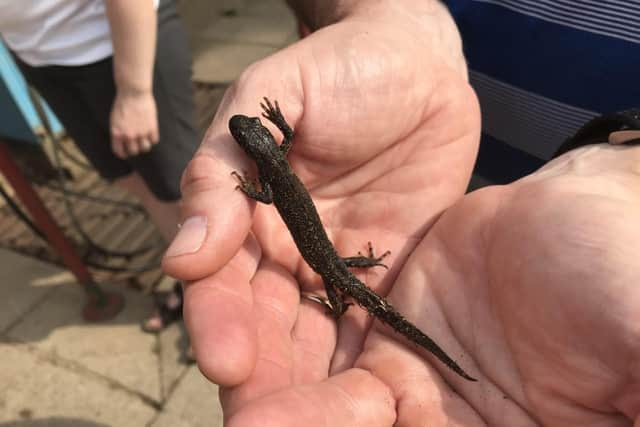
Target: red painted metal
{"points": [[100, 305]]}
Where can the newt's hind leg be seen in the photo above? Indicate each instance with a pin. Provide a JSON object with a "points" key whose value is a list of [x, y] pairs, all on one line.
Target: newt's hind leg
{"points": [[370, 260], [334, 304]]}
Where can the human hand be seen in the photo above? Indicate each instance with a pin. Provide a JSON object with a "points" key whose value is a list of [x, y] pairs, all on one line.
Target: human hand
{"points": [[537, 280], [386, 134], [134, 123], [531, 287]]}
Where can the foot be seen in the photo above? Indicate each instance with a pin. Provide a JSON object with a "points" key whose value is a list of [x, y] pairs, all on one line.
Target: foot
{"points": [[168, 312], [189, 355], [336, 312]]}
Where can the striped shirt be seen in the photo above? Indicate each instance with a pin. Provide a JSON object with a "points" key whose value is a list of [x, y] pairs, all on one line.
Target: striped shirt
{"points": [[542, 68]]}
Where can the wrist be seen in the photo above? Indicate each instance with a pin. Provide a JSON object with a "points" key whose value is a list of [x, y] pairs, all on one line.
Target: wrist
{"points": [[133, 91], [131, 78]]}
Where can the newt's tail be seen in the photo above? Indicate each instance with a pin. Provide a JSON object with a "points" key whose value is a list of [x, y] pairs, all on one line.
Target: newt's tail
{"points": [[380, 308], [415, 335]]}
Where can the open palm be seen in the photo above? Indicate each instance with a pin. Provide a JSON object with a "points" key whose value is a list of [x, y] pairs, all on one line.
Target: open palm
{"points": [[537, 283]]}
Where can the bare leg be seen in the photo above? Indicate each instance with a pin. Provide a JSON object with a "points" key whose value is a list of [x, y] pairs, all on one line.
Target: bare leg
{"points": [[165, 215]]}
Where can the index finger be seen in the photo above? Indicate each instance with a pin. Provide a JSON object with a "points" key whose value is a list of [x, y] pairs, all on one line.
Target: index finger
{"points": [[218, 313]]}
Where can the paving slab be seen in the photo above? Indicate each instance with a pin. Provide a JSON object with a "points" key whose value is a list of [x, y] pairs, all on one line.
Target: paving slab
{"points": [[23, 283], [117, 349], [223, 45], [223, 62], [268, 9], [201, 14], [172, 344], [37, 392], [193, 403], [271, 26]]}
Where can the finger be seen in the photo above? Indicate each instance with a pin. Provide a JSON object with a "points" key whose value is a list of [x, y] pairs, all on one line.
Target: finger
{"points": [[295, 341], [131, 147], [353, 327], [276, 299], [218, 313], [422, 394], [117, 147], [216, 218], [145, 145], [154, 135], [314, 340], [209, 193], [352, 398]]}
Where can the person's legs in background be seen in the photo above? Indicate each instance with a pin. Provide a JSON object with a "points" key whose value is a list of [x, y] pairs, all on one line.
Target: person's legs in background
{"points": [[165, 215], [81, 97], [173, 91]]}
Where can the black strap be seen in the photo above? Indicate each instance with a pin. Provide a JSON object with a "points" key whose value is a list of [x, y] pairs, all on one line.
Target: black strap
{"points": [[598, 130]]}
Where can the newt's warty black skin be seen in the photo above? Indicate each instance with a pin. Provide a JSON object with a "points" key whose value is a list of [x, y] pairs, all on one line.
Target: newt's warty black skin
{"points": [[280, 185]]}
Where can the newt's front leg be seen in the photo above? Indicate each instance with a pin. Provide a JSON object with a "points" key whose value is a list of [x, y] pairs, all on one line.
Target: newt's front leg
{"points": [[250, 188], [272, 113]]}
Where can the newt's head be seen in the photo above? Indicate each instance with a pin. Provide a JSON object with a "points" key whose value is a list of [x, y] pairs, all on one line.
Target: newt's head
{"points": [[251, 135]]}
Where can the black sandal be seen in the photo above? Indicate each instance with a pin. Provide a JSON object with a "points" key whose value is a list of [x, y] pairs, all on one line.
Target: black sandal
{"points": [[167, 314]]}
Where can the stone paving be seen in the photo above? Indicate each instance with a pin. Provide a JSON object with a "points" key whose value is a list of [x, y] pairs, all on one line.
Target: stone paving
{"points": [[57, 370]]}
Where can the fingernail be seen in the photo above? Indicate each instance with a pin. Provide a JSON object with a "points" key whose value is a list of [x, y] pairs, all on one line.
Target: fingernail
{"points": [[190, 237]]}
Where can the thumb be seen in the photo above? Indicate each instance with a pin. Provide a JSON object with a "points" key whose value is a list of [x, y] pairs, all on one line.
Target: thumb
{"points": [[215, 216]]}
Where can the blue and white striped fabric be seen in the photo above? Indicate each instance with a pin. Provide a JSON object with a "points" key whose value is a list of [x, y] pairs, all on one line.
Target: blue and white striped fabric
{"points": [[542, 68]]}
